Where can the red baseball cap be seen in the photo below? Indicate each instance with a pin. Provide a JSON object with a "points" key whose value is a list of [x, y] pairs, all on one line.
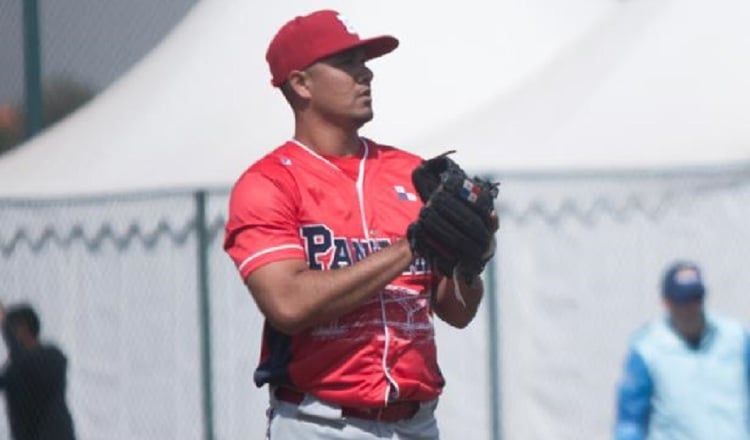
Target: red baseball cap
{"points": [[307, 39]]}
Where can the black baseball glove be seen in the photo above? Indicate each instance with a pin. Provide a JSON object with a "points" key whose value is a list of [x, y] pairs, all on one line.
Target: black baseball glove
{"points": [[456, 227]]}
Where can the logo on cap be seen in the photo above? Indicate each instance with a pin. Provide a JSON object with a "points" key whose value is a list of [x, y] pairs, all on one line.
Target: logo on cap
{"points": [[347, 24], [687, 275]]}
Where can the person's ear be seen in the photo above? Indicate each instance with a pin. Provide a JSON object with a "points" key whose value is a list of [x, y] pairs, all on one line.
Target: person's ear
{"points": [[299, 82]]}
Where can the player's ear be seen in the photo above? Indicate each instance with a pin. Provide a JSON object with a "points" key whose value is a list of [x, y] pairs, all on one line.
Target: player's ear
{"points": [[299, 83]]}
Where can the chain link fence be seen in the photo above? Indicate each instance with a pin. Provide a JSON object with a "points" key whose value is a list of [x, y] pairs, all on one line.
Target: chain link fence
{"points": [[162, 335], [117, 285]]}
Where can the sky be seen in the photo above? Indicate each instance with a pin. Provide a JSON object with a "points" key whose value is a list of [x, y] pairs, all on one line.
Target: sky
{"points": [[92, 42]]}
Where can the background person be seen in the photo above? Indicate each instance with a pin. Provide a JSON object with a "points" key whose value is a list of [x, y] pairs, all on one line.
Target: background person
{"points": [[687, 374], [33, 379]]}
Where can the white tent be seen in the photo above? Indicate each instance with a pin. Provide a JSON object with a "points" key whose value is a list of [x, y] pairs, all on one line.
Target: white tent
{"points": [[658, 84], [526, 92], [200, 108]]}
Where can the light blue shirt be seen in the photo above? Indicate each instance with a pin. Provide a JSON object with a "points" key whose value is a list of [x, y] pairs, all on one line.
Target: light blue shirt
{"points": [[672, 391]]}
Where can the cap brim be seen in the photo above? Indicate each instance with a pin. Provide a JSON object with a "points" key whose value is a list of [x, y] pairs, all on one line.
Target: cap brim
{"points": [[374, 47], [686, 294], [685, 299], [378, 46]]}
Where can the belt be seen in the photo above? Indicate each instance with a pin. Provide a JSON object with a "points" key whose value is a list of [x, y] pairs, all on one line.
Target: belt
{"points": [[393, 412]]}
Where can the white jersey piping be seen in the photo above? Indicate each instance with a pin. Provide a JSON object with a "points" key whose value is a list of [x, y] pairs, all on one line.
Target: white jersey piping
{"points": [[386, 331], [363, 218], [247, 260], [316, 155]]}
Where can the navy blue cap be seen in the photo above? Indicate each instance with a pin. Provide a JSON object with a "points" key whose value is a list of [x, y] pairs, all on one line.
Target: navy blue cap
{"points": [[683, 282]]}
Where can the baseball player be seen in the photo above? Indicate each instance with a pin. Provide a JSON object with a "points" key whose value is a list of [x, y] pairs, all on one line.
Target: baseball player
{"points": [[316, 229]]}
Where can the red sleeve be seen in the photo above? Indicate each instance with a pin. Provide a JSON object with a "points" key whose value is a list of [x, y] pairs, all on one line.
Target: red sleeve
{"points": [[262, 225]]}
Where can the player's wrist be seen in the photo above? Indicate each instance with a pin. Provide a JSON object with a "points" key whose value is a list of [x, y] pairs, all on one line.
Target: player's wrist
{"points": [[405, 249]]}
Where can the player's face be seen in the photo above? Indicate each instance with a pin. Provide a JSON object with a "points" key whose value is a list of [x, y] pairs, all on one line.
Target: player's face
{"points": [[687, 316], [340, 88]]}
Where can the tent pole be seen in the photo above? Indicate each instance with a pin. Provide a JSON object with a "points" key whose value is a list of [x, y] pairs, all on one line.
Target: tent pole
{"points": [[202, 241], [32, 68], [494, 351]]}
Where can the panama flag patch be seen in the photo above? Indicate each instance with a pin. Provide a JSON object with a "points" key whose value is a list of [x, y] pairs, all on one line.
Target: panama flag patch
{"points": [[469, 191], [403, 194]]}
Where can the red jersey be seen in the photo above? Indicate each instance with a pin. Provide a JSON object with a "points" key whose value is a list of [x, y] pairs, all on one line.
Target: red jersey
{"points": [[332, 212]]}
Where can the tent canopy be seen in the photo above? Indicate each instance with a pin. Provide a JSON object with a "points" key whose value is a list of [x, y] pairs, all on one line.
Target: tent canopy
{"points": [[635, 84], [199, 108], [659, 84]]}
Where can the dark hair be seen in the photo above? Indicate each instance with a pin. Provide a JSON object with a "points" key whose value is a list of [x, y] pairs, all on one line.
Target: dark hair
{"points": [[23, 313]]}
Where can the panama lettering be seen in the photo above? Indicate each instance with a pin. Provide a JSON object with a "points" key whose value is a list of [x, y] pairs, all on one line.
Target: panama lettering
{"points": [[325, 251]]}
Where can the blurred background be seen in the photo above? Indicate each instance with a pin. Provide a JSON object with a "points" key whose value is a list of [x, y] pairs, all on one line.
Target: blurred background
{"points": [[618, 128], [83, 47]]}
